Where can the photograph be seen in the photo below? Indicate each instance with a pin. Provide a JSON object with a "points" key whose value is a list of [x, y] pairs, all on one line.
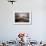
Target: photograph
{"points": [[22, 17]]}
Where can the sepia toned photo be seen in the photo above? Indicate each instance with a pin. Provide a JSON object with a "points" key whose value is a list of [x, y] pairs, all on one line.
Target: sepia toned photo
{"points": [[22, 18]]}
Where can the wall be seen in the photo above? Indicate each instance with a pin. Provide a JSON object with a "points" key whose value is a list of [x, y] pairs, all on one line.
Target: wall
{"points": [[9, 31]]}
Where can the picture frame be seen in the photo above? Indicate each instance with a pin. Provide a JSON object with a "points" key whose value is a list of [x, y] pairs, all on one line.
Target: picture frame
{"points": [[26, 15]]}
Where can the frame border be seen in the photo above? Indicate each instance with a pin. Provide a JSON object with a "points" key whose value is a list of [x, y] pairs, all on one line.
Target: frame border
{"points": [[30, 23]]}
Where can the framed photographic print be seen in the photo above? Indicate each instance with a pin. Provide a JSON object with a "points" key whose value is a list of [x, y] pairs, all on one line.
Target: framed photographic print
{"points": [[22, 17]]}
